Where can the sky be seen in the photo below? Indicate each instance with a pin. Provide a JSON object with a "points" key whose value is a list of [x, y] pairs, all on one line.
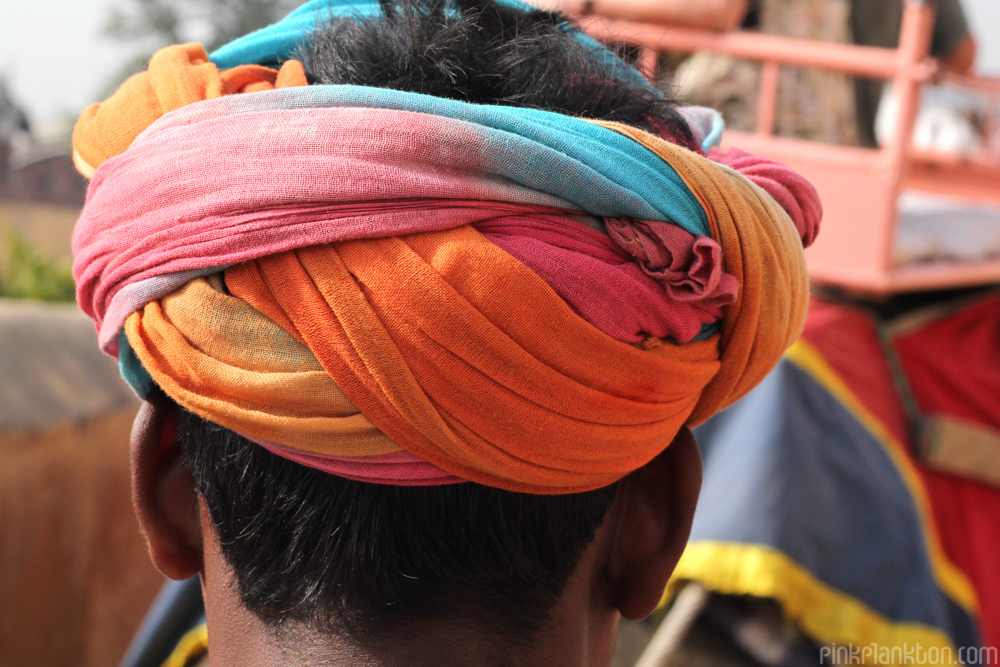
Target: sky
{"points": [[56, 61], [53, 56]]}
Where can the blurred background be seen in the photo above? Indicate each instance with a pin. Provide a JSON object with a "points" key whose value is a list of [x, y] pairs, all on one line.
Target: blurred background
{"points": [[74, 578]]}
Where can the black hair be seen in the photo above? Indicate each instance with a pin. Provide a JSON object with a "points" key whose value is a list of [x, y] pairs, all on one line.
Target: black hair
{"points": [[369, 559], [481, 52]]}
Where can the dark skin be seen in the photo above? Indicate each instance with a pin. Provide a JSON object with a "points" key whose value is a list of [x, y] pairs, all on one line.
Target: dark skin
{"points": [[621, 574]]}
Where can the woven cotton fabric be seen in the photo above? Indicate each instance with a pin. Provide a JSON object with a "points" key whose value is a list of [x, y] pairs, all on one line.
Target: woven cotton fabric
{"points": [[412, 290]]}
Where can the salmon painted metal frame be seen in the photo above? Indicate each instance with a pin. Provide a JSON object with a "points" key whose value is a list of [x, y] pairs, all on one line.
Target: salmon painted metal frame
{"points": [[859, 186]]}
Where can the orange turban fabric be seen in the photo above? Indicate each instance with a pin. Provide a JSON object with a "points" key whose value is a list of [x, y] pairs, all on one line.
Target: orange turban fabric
{"points": [[177, 76], [370, 307]]}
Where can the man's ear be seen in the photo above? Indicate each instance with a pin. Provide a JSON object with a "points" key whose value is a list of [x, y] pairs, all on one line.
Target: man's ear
{"points": [[163, 491], [654, 523]]}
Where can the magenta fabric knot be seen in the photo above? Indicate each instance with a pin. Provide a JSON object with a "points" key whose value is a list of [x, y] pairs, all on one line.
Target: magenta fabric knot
{"points": [[689, 267], [789, 188]]}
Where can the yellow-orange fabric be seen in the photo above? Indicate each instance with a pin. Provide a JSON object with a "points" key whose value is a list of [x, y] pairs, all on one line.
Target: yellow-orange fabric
{"points": [[420, 352], [441, 343], [177, 76], [763, 251]]}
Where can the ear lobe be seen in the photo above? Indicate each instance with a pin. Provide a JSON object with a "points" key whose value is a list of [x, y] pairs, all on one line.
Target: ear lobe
{"points": [[163, 491], [655, 519]]}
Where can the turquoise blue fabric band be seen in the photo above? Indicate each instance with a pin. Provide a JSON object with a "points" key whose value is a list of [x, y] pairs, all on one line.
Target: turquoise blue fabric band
{"points": [[277, 42], [592, 168]]}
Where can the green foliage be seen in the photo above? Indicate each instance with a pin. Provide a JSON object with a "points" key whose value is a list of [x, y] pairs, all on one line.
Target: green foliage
{"points": [[27, 274]]}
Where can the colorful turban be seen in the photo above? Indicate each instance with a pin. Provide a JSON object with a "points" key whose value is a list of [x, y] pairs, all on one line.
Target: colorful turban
{"points": [[405, 289]]}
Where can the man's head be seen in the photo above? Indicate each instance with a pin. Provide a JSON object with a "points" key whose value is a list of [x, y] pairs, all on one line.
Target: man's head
{"points": [[445, 575], [376, 560], [421, 342]]}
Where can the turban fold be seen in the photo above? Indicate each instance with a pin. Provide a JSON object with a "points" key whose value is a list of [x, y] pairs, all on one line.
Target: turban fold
{"points": [[407, 289], [176, 77]]}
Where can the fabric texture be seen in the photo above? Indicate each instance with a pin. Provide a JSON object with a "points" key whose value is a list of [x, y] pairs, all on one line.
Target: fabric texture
{"points": [[134, 255], [408, 289], [787, 453], [706, 124], [792, 191], [177, 76], [829, 428]]}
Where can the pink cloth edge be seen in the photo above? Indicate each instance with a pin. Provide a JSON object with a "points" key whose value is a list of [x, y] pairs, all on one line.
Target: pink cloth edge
{"points": [[397, 468], [790, 189]]}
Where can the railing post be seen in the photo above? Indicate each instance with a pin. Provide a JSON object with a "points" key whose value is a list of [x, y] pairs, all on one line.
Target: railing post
{"points": [[914, 47], [767, 97]]}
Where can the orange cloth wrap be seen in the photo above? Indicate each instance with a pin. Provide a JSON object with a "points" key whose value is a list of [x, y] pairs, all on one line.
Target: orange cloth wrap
{"points": [[177, 76], [447, 346], [442, 343], [763, 251]]}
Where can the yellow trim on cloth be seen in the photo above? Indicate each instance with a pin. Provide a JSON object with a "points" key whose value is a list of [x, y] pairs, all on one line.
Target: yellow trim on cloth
{"points": [[951, 580], [193, 646], [824, 613]]}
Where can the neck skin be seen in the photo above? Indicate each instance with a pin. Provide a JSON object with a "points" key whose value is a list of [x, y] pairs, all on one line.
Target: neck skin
{"points": [[581, 632]]}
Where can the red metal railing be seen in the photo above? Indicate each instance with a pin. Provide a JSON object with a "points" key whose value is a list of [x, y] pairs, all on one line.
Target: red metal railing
{"points": [[860, 187]]}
